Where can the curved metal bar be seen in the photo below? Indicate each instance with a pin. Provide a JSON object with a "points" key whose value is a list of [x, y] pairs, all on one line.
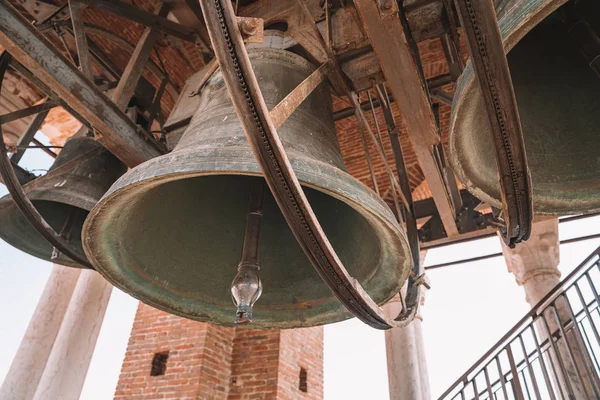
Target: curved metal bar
{"points": [[480, 25], [23, 203], [265, 143]]}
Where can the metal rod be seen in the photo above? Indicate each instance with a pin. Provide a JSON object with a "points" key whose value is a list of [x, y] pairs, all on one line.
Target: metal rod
{"points": [[28, 136], [475, 390], [513, 368], [394, 137], [529, 369], [557, 354], [432, 83], [487, 382], [576, 333], [542, 363], [494, 233], [367, 153], [501, 376], [493, 255], [390, 173], [395, 186], [44, 148]]}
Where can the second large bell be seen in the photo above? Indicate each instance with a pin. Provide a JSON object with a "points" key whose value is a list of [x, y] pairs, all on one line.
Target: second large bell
{"points": [[170, 232], [558, 97]]}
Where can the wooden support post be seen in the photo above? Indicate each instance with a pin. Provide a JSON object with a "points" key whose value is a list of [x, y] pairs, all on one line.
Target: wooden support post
{"points": [[83, 54], [410, 94], [135, 66]]}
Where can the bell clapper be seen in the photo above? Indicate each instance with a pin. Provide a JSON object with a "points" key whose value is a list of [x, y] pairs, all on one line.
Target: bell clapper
{"points": [[246, 287], [65, 232]]}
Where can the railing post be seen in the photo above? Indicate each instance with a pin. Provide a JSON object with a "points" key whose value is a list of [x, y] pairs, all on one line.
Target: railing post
{"points": [[516, 381], [557, 333]]}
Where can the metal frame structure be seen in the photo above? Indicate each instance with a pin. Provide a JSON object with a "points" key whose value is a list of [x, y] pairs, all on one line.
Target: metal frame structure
{"points": [[223, 34], [13, 175], [23, 203], [552, 348]]}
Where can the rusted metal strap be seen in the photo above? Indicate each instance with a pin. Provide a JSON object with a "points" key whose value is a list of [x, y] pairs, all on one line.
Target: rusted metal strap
{"points": [[22, 202], [282, 111], [480, 25], [265, 143]]}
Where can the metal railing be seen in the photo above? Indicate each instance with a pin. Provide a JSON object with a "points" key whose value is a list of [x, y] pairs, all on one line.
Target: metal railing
{"points": [[552, 352]]}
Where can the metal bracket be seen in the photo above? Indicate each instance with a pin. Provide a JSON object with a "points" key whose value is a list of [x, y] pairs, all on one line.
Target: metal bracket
{"points": [[252, 29], [387, 7]]}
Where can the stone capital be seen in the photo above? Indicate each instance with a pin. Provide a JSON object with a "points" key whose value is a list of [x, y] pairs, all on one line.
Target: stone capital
{"points": [[539, 255]]}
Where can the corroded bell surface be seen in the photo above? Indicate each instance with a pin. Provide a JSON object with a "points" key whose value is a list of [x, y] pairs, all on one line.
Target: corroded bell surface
{"points": [[558, 96], [81, 174], [170, 231]]}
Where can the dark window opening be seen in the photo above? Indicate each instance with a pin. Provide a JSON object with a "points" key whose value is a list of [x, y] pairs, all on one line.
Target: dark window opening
{"points": [[159, 364], [278, 26], [303, 386]]}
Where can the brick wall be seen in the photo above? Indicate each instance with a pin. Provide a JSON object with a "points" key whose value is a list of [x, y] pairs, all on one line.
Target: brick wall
{"points": [[254, 365], [300, 349], [205, 361]]}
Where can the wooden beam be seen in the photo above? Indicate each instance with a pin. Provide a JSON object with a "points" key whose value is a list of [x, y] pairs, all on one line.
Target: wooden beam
{"points": [[143, 17], [118, 133], [133, 71], [83, 53], [391, 46]]}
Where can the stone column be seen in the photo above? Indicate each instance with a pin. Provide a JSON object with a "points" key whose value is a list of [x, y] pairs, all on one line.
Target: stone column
{"points": [[418, 328], [535, 266], [28, 365], [407, 367], [68, 364], [534, 263]]}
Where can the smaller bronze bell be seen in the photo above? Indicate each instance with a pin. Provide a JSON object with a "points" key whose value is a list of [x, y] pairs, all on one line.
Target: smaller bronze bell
{"points": [[81, 174]]}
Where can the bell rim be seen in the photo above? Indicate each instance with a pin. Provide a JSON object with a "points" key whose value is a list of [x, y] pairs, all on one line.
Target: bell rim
{"points": [[93, 227], [513, 29], [62, 196], [8, 206]]}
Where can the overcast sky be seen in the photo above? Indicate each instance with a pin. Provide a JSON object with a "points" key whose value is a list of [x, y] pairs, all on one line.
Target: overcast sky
{"points": [[469, 307]]}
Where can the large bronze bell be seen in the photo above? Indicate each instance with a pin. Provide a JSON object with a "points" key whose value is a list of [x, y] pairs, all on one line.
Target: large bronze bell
{"points": [[81, 174], [558, 96], [170, 231]]}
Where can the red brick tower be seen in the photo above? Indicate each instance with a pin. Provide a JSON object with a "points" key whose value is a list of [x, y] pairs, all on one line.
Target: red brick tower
{"points": [[170, 357]]}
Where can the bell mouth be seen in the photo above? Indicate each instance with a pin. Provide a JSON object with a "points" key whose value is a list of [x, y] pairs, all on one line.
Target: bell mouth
{"points": [[170, 233], [558, 99], [19, 233]]}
